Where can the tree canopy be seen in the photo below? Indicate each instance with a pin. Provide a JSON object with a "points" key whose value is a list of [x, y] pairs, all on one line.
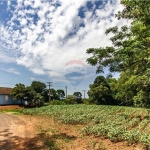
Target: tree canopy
{"points": [[100, 92], [60, 93], [131, 45], [78, 96], [129, 55], [19, 92], [30, 93], [38, 86]]}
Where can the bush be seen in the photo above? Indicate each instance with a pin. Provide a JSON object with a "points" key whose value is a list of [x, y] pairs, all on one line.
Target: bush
{"points": [[87, 101], [57, 102]]}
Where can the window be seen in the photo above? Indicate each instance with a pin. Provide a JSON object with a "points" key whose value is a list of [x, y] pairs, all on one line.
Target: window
{"points": [[6, 97]]}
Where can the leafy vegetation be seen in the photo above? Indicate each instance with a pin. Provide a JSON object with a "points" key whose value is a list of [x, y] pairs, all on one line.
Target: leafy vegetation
{"points": [[38, 86], [78, 97], [32, 94], [129, 55], [36, 94], [113, 122], [60, 93], [100, 92], [13, 111], [19, 92]]}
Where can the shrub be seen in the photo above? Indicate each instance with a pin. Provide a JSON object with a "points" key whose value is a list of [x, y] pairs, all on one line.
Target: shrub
{"points": [[57, 102]]}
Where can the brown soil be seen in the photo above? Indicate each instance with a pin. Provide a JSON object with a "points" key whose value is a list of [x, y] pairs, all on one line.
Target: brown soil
{"points": [[69, 137], [23, 132], [10, 107]]}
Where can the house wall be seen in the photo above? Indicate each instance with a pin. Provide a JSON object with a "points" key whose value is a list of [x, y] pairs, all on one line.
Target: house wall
{"points": [[8, 100]]}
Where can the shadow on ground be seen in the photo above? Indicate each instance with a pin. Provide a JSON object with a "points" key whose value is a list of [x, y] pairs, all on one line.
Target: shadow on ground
{"points": [[40, 141]]}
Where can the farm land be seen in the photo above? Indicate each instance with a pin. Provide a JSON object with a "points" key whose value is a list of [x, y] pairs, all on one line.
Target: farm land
{"points": [[96, 127]]}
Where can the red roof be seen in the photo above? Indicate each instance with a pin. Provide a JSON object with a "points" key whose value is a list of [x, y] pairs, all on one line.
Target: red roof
{"points": [[5, 90]]}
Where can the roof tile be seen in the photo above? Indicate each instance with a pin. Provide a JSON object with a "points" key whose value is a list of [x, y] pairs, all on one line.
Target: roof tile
{"points": [[5, 90]]}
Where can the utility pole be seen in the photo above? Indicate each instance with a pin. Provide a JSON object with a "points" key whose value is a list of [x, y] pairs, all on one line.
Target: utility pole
{"points": [[66, 91], [84, 93], [49, 85]]}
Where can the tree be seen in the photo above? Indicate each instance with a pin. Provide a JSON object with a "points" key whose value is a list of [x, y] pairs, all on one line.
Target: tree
{"points": [[71, 99], [19, 92], [100, 92], [126, 54], [127, 88], [60, 93], [129, 53], [45, 95], [38, 86], [78, 96], [134, 90], [113, 83], [130, 50], [136, 10], [53, 94], [30, 93], [37, 100]]}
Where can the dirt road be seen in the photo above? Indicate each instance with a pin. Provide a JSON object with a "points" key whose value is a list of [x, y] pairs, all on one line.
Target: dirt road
{"points": [[17, 133]]}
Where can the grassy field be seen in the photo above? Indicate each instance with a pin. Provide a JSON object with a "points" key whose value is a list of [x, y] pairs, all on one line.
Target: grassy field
{"points": [[112, 122]]}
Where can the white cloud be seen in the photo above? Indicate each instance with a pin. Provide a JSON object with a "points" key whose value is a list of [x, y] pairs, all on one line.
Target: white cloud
{"points": [[48, 41], [33, 79], [6, 59], [23, 21], [11, 70]]}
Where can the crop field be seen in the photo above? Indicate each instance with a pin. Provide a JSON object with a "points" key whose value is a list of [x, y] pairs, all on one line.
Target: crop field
{"points": [[113, 122]]}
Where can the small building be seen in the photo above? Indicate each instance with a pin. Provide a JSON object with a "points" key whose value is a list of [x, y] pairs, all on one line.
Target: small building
{"points": [[6, 98]]}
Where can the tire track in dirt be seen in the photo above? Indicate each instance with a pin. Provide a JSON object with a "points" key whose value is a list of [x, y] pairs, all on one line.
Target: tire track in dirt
{"points": [[17, 133], [11, 130]]}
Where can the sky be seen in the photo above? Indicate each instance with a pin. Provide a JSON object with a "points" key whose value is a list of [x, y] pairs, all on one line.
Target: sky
{"points": [[46, 40]]}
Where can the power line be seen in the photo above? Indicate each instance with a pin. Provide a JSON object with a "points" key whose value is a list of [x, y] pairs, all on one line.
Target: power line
{"points": [[84, 92], [49, 85], [66, 91]]}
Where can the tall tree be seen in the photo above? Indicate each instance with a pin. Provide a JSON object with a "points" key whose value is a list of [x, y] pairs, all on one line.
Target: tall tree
{"points": [[38, 86], [126, 86], [100, 92], [136, 10], [45, 94], [30, 93], [130, 52], [54, 95], [113, 83], [37, 100], [133, 90], [60, 93], [19, 92], [78, 96], [131, 45]]}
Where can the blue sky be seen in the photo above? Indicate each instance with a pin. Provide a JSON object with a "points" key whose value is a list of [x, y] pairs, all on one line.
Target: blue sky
{"points": [[37, 39]]}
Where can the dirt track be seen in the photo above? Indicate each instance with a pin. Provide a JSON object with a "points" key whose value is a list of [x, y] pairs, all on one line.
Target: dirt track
{"points": [[17, 134]]}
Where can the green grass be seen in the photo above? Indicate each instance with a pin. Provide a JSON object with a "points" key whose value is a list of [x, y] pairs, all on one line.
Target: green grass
{"points": [[49, 143], [113, 122], [13, 111]]}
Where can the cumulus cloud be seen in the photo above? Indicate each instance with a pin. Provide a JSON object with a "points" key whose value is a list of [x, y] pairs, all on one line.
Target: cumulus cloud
{"points": [[44, 35]]}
